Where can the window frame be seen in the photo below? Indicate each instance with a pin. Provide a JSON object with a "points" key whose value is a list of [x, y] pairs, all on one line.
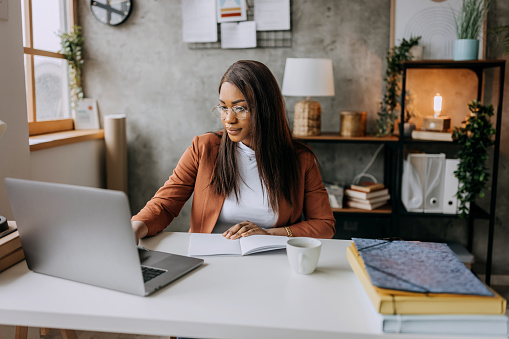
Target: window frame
{"points": [[48, 126]]}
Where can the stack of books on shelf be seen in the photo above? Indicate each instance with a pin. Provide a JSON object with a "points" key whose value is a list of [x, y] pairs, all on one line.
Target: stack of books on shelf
{"points": [[422, 134], [422, 287], [367, 195], [10, 248]]}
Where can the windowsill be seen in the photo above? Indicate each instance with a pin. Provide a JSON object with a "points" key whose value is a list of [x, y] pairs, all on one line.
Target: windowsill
{"points": [[44, 141]]}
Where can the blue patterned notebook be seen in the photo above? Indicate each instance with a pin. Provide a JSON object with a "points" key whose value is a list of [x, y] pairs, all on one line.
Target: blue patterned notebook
{"points": [[424, 267]]}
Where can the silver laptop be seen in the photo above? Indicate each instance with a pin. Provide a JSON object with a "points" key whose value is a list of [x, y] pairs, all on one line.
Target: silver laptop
{"points": [[84, 234]]}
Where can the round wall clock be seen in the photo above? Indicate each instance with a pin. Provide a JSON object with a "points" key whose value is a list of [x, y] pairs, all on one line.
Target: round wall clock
{"points": [[111, 12]]}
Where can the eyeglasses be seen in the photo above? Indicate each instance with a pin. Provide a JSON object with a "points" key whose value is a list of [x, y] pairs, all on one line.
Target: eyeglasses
{"points": [[222, 112]]}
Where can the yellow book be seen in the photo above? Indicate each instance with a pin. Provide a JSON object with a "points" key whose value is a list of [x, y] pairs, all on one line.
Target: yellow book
{"points": [[388, 301]]}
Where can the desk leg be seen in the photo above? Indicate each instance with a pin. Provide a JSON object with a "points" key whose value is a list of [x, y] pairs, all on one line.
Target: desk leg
{"points": [[69, 334], [21, 332]]}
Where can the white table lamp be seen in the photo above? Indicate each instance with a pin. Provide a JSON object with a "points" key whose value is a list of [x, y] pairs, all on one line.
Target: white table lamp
{"points": [[308, 77]]}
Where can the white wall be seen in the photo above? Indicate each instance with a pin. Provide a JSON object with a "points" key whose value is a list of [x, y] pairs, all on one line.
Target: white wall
{"points": [[80, 163], [14, 149]]}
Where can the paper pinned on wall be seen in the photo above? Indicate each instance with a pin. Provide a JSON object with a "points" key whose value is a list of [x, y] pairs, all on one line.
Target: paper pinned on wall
{"points": [[238, 34], [272, 15], [199, 21], [86, 115], [231, 10]]}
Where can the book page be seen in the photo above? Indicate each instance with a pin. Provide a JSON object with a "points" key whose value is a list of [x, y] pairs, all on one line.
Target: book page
{"points": [[260, 243], [201, 244]]}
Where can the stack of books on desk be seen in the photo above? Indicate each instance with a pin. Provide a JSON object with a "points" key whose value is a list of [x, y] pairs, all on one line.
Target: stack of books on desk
{"points": [[367, 196], [417, 287], [10, 249]]}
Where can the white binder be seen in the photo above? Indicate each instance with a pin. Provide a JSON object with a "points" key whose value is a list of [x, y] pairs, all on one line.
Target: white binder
{"points": [[434, 184], [451, 185], [423, 183]]}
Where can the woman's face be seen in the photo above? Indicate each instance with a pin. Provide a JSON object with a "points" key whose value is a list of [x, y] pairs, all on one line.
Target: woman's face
{"points": [[237, 129]]}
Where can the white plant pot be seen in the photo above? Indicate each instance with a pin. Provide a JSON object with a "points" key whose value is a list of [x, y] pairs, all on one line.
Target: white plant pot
{"points": [[466, 49], [416, 52]]}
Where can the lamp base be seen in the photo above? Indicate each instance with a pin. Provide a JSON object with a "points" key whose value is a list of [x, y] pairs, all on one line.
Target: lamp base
{"points": [[307, 118], [439, 124]]}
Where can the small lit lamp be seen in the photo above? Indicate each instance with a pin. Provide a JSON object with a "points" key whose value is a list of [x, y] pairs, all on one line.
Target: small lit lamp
{"points": [[437, 122], [308, 77]]}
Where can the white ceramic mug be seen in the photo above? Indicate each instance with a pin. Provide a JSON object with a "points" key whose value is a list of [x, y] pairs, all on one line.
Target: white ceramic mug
{"points": [[303, 254]]}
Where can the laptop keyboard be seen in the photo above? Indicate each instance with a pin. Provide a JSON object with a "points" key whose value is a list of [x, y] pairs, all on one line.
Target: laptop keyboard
{"points": [[150, 273]]}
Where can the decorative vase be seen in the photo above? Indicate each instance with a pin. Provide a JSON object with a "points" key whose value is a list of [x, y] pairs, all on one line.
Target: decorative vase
{"points": [[352, 124], [408, 127], [466, 49]]}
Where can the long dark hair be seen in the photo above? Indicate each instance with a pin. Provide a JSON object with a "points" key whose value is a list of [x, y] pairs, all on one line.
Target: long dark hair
{"points": [[272, 141]]}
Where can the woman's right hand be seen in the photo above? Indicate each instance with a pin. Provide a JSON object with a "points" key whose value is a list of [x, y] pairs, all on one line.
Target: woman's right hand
{"points": [[140, 230]]}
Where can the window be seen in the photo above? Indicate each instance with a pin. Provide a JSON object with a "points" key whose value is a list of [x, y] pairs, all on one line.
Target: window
{"points": [[48, 97]]}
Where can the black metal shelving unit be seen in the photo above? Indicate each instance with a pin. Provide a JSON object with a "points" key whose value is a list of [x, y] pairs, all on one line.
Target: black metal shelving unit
{"points": [[478, 67], [394, 153]]}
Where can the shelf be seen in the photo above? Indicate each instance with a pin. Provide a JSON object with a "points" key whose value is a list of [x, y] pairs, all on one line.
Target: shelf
{"points": [[476, 212], [448, 64], [479, 67], [381, 210], [421, 141], [335, 137]]}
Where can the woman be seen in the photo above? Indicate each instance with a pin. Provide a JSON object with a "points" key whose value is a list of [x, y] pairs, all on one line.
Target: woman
{"points": [[250, 178]]}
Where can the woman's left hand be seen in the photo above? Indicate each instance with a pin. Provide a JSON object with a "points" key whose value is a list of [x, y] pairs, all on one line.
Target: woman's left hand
{"points": [[243, 229]]}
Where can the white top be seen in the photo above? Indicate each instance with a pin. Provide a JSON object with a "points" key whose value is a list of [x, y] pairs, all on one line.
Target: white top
{"points": [[253, 204], [249, 297]]}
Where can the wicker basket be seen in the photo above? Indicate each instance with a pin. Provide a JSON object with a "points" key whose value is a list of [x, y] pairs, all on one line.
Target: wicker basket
{"points": [[307, 118]]}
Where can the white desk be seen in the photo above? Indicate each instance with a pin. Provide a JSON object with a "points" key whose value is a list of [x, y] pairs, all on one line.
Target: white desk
{"points": [[255, 296]]}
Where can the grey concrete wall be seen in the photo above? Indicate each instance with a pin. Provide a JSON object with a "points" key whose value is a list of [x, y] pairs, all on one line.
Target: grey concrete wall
{"points": [[143, 69]]}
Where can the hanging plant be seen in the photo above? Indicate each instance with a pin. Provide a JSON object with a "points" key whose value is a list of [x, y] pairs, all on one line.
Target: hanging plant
{"points": [[475, 137], [72, 48], [390, 103]]}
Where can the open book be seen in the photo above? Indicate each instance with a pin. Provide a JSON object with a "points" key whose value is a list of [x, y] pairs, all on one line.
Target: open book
{"points": [[201, 244]]}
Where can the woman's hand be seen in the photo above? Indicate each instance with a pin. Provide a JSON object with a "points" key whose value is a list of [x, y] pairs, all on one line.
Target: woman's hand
{"points": [[140, 230], [243, 229]]}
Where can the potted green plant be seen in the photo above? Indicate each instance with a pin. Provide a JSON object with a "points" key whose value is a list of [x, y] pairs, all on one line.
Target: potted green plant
{"points": [[469, 22], [410, 113], [475, 136], [72, 49], [389, 112]]}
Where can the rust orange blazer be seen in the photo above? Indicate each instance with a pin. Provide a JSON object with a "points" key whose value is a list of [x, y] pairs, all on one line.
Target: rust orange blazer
{"points": [[310, 215]]}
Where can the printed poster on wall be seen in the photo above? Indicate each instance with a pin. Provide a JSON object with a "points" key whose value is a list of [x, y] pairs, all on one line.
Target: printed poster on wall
{"points": [[199, 21], [231, 10]]}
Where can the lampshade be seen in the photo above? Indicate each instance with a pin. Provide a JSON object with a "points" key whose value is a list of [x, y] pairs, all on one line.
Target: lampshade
{"points": [[308, 77]]}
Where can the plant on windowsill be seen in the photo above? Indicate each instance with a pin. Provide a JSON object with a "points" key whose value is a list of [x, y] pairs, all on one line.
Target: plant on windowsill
{"points": [[389, 106], [475, 137], [72, 48]]}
